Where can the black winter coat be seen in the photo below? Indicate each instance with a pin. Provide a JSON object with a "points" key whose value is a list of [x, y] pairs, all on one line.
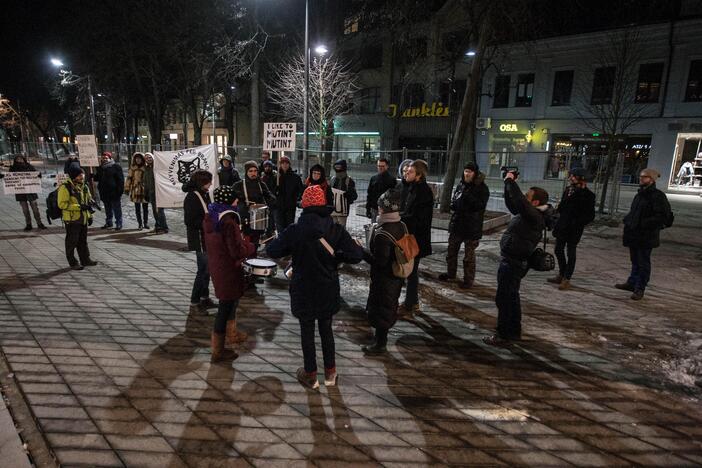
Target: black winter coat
{"points": [[417, 214], [575, 211], [256, 192], [271, 181], [646, 218], [378, 185], [289, 190], [468, 206], [525, 230], [228, 176], [385, 287], [24, 167], [193, 214], [314, 288], [110, 179]]}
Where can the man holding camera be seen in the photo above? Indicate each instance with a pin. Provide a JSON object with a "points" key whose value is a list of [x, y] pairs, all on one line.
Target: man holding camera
{"points": [[77, 213], [516, 246]]}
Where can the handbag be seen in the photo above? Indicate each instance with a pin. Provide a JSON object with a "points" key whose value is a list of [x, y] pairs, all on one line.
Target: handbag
{"points": [[540, 259]]}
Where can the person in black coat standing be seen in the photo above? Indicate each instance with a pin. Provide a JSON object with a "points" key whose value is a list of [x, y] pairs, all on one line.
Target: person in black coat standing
{"points": [[576, 210], [288, 192], [110, 184], [26, 200], [417, 215], [649, 213], [385, 287], [317, 246], [466, 226], [227, 174], [378, 185]]}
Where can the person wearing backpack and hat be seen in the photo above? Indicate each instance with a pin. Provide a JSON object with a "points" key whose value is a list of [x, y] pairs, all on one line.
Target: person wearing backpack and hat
{"points": [[385, 286], [317, 246], [344, 191], [649, 213], [74, 199]]}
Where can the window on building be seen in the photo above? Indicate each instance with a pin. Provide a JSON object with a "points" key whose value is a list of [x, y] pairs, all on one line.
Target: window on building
{"points": [[525, 90], [602, 85], [372, 56], [369, 102], [648, 88], [501, 96], [562, 88], [693, 91]]}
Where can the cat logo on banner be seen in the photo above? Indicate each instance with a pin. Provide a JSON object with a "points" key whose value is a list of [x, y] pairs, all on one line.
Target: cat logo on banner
{"points": [[173, 168]]}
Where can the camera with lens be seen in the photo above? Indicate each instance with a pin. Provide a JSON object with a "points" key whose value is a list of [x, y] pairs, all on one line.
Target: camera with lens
{"points": [[510, 170], [90, 207]]}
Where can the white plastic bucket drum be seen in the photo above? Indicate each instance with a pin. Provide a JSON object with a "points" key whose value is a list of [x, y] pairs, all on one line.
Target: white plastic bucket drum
{"points": [[258, 217], [260, 267]]}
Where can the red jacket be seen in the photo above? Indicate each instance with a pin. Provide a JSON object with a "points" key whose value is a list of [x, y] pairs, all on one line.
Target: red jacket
{"points": [[226, 251]]}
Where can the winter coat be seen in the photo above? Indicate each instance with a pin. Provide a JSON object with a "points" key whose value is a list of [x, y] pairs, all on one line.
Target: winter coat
{"points": [[69, 162], [526, 228], [468, 208], [288, 190], [149, 184], [24, 167], [193, 215], [322, 181], [404, 191], [646, 218], [575, 211], [228, 176], [72, 199], [346, 184], [385, 287], [418, 213], [226, 251], [256, 192], [135, 184], [378, 185], [110, 180], [271, 181], [314, 288]]}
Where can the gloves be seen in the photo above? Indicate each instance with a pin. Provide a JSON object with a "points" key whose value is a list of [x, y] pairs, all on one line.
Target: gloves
{"points": [[90, 222], [84, 207]]}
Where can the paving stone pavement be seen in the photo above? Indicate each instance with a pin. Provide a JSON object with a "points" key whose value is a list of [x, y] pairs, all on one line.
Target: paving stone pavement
{"points": [[116, 373]]}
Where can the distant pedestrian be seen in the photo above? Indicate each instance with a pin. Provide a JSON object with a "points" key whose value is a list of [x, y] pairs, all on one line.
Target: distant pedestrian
{"points": [[74, 200], [575, 211], [466, 226], [344, 191], [26, 200], [194, 211], [226, 250], [134, 186], [317, 246], [649, 213], [270, 178], [160, 224], [226, 172], [417, 215], [288, 192], [378, 185], [385, 287], [110, 185], [317, 176]]}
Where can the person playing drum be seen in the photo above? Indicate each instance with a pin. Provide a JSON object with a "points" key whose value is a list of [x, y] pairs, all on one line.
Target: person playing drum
{"points": [[256, 201]]}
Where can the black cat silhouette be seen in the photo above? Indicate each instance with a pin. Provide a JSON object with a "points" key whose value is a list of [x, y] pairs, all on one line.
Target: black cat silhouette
{"points": [[186, 168]]}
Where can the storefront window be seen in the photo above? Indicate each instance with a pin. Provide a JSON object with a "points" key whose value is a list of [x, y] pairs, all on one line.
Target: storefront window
{"points": [[686, 172]]}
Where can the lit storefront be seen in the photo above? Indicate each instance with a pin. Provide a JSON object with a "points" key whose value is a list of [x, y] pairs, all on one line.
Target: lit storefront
{"points": [[686, 170]]}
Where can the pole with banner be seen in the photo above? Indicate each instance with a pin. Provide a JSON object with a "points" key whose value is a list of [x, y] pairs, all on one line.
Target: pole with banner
{"points": [[88, 157]]}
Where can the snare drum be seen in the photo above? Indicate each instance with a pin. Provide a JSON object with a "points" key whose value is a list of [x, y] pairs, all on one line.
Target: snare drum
{"points": [[258, 217], [260, 267]]}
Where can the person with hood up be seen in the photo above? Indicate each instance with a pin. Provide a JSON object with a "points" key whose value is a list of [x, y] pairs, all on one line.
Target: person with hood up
{"points": [[226, 251], [270, 177], [378, 185], [226, 172], [344, 191], [385, 287], [317, 246], [20, 164], [161, 226], [134, 187], [288, 191], [74, 200], [251, 191], [110, 185], [317, 176], [466, 226]]}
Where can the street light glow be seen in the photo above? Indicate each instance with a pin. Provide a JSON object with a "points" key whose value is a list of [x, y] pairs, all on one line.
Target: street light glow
{"points": [[56, 62], [321, 50], [470, 53]]}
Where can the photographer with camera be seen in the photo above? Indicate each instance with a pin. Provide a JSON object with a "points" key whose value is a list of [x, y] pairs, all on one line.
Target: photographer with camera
{"points": [[517, 245], [77, 208]]}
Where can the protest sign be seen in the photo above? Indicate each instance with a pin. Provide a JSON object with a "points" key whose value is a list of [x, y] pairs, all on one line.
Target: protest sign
{"points": [[173, 168], [87, 150], [21, 183], [279, 136]]}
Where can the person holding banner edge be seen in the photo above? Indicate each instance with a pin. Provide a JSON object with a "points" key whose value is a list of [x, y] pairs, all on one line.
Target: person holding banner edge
{"points": [[161, 226], [26, 200]]}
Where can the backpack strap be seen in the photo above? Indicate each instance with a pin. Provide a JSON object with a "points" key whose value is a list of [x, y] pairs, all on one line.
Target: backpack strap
{"points": [[326, 245]]}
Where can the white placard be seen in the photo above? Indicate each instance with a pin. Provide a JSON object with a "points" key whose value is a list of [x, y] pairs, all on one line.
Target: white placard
{"points": [[21, 183], [173, 168], [87, 150], [279, 136]]}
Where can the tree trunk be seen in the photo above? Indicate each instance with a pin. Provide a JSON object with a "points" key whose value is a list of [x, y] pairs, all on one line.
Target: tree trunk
{"points": [[608, 173], [255, 105]]}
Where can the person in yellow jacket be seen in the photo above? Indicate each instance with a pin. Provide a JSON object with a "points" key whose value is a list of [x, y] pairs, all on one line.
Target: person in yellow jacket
{"points": [[74, 200]]}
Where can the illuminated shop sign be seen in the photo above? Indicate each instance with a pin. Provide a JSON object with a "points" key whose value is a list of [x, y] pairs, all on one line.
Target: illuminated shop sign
{"points": [[509, 127], [436, 109]]}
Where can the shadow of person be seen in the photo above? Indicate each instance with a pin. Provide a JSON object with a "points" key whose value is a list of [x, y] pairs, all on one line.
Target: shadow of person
{"points": [[141, 238], [15, 282]]}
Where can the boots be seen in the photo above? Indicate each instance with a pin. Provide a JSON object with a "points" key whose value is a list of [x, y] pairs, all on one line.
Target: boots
{"points": [[218, 351], [233, 336], [555, 279]]}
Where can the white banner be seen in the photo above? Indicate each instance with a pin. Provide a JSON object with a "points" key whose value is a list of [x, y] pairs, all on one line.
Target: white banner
{"points": [[87, 150], [173, 168], [279, 136], [20, 183]]}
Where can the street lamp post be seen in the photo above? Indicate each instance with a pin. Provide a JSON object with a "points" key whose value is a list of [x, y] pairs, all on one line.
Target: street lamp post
{"points": [[305, 130], [65, 81]]}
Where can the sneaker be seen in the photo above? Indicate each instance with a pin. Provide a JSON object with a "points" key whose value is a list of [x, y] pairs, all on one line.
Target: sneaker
{"points": [[28, 227], [446, 277], [196, 309], [495, 340], [625, 286], [146, 226], [76, 267], [638, 295], [330, 377], [308, 379], [118, 228], [374, 349], [555, 279], [207, 303], [41, 226], [90, 263], [565, 284]]}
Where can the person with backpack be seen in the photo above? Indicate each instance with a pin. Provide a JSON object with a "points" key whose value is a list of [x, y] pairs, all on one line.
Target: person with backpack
{"points": [[317, 246], [649, 213], [74, 199], [134, 186], [20, 164], [110, 185], [344, 191]]}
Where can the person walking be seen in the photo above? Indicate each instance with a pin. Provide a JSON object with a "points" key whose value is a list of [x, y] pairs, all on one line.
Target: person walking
{"points": [[26, 200], [160, 223], [385, 287], [317, 246], [417, 215], [134, 186], [344, 191], [110, 185], [288, 191], [466, 226], [378, 184], [517, 244], [226, 172], [74, 200], [575, 211], [317, 176], [226, 250], [194, 211], [649, 213]]}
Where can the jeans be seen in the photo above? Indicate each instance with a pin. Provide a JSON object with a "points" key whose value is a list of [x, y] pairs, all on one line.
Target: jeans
{"points": [[77, 239], [566, 266], [284, 217], [454, 245], [509, 309], [640, 267], [140, 208], [412, 294], [226, 311], [113, 206], [159, 217], [35, 210], [309, 351], [201, 285]]}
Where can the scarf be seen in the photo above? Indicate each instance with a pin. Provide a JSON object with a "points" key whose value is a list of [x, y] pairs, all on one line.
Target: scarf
{"points": [[392, 217], [216, 209]]}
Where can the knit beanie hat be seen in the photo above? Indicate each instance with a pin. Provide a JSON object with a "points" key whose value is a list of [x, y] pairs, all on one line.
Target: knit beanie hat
{"points": [[340, 165], [224, 194], [652, 173], [284, 158], [470, 165], [268, 162], [390, 201], [226, 157], [578, 172], [74, 171], [249, 164], [314, 196]]}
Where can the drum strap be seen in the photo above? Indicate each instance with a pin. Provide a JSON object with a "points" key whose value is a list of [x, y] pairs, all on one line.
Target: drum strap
{"points": [[327, 246], [202, 201], [230, 211], [246, 192]]}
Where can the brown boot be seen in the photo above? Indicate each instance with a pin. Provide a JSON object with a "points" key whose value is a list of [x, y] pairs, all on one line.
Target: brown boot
{"points": [[234, 336], [218, 351], [565, 284], [555, 279]]}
